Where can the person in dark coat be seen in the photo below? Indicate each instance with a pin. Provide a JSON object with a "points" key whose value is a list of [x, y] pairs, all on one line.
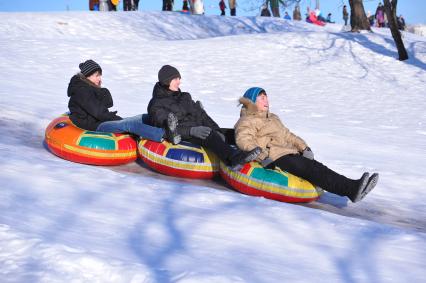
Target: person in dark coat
{"points": [[89, 105], [194, 124], [222, 7], [265, 11]]}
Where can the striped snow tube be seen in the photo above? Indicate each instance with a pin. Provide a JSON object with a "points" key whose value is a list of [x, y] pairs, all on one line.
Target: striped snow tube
{"points": [[184, 160], [254, 180], [69, 142]]}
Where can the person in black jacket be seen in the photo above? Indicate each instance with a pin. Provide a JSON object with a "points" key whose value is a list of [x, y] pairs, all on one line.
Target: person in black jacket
{"points": [[194, 124], [89, 103]]}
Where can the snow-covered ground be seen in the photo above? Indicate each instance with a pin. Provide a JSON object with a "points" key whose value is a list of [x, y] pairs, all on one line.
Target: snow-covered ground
{"points": [[358, 108]]}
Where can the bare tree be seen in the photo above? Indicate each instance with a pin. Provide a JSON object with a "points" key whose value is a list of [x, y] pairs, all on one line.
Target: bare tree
{"points": [[359, 20], [390, 9]]}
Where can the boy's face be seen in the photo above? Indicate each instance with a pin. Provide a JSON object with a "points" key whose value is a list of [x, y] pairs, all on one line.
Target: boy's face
{"points": [[95, 78], [174, 84], [262, 103]]}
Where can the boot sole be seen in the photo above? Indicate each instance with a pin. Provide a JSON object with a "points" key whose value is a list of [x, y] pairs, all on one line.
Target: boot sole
{"points": [[372, 182], [361, 187]]}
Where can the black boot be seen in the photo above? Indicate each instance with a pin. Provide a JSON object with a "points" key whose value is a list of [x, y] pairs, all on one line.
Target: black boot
{"points": [[171, 134], [366, 184], [239, 158]]}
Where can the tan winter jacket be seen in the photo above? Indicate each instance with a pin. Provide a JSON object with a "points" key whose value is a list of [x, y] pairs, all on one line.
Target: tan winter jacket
{"points": [[264, 129]]}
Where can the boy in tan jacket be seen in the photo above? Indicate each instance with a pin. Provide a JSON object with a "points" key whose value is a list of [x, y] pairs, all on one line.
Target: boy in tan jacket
{"points": [[257, 127]]}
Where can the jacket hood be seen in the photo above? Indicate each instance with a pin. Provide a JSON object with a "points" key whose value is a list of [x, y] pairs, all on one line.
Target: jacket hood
{"points": [[79, 80], [249, 108]]}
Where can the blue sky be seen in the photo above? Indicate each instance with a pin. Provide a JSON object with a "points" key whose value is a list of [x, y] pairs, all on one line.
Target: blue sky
{"points": [[414, 11]]}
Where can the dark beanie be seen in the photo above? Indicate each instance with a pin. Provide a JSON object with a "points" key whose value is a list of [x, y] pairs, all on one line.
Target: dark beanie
{"points": [[167, 73], [89, 67]]}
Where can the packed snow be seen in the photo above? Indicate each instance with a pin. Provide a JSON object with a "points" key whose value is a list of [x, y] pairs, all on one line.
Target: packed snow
{"points": [[356, 105]]}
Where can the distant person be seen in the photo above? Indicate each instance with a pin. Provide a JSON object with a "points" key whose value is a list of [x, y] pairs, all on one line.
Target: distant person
{"points": [[345, 15], [232, 7], [194, 124], [259, 128], [296, 13], [135, 5], [169, 5], [275, 8], [93, 4], [380, 15], [222, 7], [328, 19], [370, 18], [401, 22], [111, 6], [265, 11], [197, 7], [185, 6], [287, 16], [89, 102], [127, 5]]}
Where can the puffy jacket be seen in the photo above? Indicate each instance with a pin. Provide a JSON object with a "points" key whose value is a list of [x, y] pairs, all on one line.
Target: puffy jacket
{"points": [[89, 103], [188, 112], [264, 129]]}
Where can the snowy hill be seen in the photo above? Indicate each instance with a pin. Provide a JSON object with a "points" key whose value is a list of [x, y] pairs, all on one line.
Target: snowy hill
{"points": [[358, 108]]}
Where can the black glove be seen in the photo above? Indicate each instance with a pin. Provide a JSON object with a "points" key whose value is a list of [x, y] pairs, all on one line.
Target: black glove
{"points": [[222, 136], [200, 132], [307, 153], [266, 162]]}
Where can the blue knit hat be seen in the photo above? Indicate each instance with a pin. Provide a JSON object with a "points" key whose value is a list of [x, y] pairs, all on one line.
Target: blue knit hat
{"points": [[253, 92]]}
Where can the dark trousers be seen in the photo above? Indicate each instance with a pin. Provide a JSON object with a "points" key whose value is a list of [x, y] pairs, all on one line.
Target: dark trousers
{"points": [[316, 173], [127, 5], [233, 12], [215, 144], [222, 12]]}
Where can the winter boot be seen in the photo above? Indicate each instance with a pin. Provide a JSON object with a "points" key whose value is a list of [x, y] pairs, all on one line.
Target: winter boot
{"points": [[240, 158], [355, 195], [366, 184], [171, 129], [372, 182]]}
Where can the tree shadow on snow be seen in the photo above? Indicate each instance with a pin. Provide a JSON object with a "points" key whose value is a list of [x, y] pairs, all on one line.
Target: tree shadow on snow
{"points": [[363, 40]]}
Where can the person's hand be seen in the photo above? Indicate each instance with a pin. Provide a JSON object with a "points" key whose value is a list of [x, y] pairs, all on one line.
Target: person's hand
{"points": [[266, 162], [200, 132], [307, 153]]}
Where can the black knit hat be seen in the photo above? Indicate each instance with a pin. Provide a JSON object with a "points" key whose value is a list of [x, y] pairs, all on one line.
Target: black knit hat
{"points": [[167, 73], [89, 67]]}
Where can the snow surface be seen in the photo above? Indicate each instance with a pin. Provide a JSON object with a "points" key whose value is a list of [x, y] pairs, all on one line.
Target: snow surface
{"points": [[358, 108]]}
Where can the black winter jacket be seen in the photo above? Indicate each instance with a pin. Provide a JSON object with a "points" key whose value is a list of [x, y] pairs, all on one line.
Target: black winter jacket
{"points": [[89, 103], [189, 113]]}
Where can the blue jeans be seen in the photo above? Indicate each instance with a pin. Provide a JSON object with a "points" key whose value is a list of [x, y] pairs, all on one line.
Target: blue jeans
{"points": [[133, 125]]}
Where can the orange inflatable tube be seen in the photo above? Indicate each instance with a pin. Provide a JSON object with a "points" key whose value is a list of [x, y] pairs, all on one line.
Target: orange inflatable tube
{"points": [[69, 142]]}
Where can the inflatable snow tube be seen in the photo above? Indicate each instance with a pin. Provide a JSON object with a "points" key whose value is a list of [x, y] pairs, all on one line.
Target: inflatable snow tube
{"points": [[69, 142], [254, 180], [185, 160], [314, 19]]}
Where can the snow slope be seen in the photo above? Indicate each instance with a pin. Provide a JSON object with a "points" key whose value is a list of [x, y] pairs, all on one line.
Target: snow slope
{"points": [[358, 108]]}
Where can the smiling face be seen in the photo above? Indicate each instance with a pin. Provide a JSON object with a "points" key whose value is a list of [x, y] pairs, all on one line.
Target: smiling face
{"points": [[174, 84], [262, 103], [95, 78]]}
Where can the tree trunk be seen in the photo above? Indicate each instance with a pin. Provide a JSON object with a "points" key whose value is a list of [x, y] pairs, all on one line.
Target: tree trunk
{"points": [[390, 9], [359, 20]]}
